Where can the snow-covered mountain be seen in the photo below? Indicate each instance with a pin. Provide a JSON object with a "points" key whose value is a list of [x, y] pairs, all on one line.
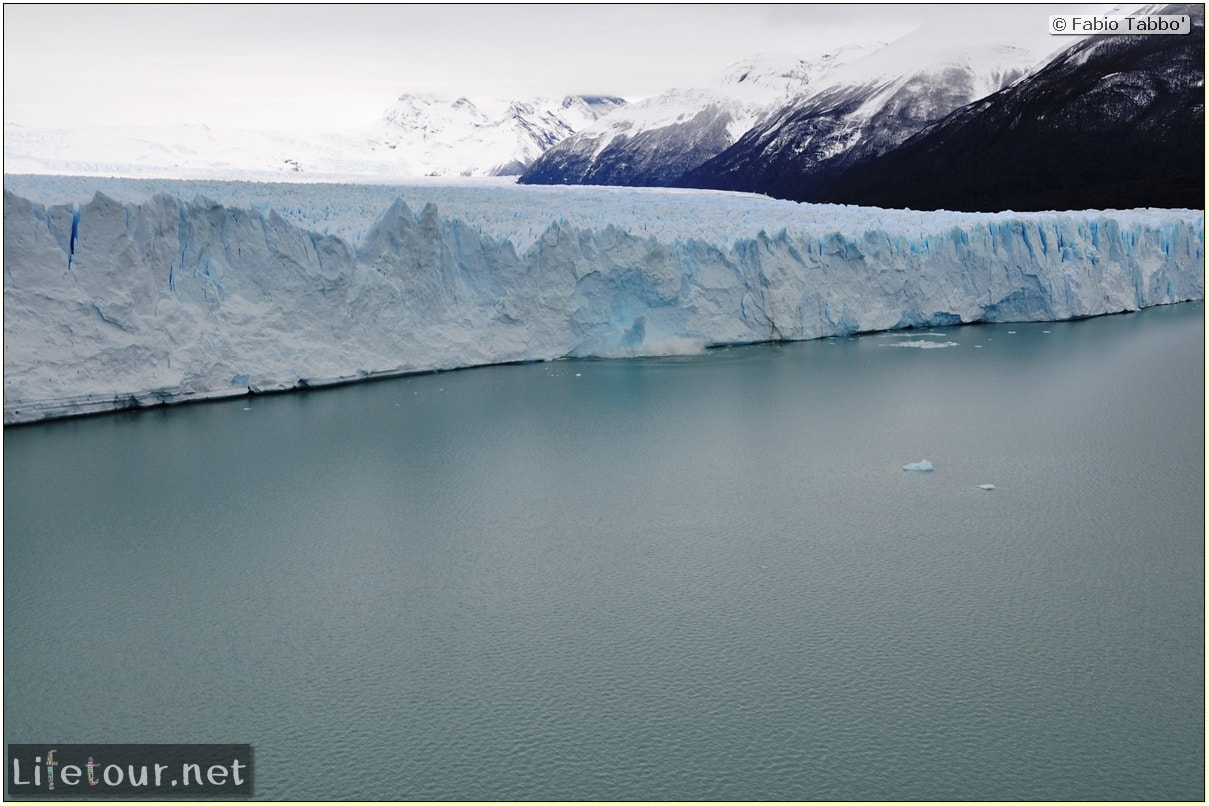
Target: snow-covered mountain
{"points": [[654, 141], [114, 303], [417, 136], [1112, 121], [855, 101], [438, 137], [1108, 121], [862, 110]]}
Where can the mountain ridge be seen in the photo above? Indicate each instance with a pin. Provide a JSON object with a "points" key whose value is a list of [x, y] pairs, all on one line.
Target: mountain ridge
{"points": [[1107, 121], [418, 135], [861, 113], [656, 140], [1112, 121]]}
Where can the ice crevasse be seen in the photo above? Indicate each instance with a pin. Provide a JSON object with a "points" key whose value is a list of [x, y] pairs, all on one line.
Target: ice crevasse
{"points": [[111, 304]]}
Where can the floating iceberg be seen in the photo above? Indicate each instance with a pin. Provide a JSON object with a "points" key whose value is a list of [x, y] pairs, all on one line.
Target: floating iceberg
{"points": [[112, 304], [921, 344], [923, 466]]}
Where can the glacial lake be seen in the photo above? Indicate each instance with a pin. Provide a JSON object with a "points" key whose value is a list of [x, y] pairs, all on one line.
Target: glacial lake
{"points": [[700, 577]]}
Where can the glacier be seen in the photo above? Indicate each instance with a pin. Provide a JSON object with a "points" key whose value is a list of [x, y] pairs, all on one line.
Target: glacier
{"points": [[129, 293]]}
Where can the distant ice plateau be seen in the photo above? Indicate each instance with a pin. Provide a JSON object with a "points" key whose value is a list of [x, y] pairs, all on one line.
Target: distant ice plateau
{"points": [[127, 293]]}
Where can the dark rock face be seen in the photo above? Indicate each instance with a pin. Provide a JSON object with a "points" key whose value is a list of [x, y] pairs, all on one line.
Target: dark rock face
{"points": [[828, 132], [1113, 122], [655, 157]]}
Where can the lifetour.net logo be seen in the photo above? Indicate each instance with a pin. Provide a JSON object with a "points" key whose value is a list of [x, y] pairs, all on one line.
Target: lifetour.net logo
{"points": [[76, 771]]}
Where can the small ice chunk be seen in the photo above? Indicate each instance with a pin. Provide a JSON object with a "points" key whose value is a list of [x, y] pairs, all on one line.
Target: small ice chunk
{"points": [[923, 345], [986, 486], [922, 466]]}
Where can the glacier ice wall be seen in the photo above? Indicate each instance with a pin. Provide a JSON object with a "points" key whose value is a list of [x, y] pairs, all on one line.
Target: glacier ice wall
{"points": [[112, 304]]}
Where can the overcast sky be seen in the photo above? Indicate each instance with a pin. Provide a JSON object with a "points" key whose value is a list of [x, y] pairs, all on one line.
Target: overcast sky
{"points": [[321, 67]]}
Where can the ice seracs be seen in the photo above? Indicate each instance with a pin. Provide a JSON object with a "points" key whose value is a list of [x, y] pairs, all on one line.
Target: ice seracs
{"points": [[135, 298]]}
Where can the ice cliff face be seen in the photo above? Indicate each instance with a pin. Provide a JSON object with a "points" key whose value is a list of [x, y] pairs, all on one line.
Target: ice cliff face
{"points": [[111, 304]]}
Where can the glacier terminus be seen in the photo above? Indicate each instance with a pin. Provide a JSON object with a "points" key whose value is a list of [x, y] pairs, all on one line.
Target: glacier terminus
{"points": [[142, 294]]}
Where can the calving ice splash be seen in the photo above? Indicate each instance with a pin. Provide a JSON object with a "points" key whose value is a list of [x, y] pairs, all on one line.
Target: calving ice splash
{"points": [[133, 297]]}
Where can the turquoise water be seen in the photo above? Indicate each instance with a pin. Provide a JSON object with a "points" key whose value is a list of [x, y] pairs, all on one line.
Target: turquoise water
{"points": [[699, 577]]}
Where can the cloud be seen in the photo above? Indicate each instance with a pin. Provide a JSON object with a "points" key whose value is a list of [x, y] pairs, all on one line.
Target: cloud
{"points": [[299, 66]]}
